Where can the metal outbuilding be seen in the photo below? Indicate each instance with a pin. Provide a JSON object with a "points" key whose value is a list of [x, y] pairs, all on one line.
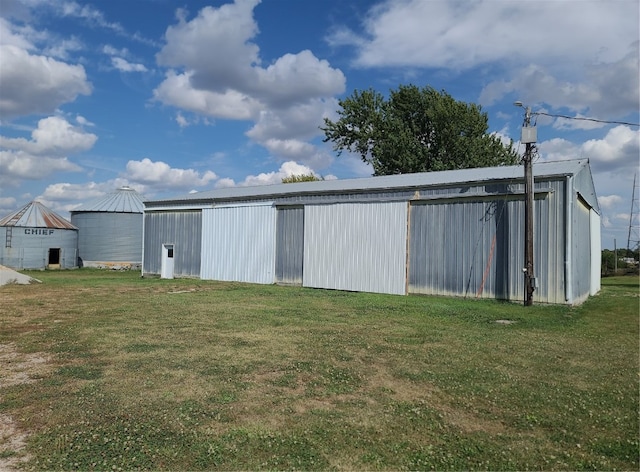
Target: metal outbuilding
{"points": [[110, 230], [34, 237], [457, 233]]}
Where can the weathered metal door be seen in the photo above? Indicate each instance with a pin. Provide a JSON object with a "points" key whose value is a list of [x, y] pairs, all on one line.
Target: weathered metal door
{"points": [[289, 245]]}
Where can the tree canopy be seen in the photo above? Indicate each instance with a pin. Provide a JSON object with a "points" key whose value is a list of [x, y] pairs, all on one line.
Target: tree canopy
{"points": [[416, 130], [292, 179]]}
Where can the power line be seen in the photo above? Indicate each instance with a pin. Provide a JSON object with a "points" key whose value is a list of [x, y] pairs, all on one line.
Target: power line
{"points": [[580, 118]]}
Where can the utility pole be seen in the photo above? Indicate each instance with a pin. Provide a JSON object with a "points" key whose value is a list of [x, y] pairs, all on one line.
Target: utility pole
{"points": [[529, 137], [631, 215]]}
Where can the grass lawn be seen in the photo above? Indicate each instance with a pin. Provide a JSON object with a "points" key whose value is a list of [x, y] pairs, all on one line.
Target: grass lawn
{"points": [[104, 370]]}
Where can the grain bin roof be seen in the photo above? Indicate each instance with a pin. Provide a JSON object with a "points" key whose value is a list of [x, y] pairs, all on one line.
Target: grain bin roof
{"points": [[123, 200], [382, 183], [36, 215]]}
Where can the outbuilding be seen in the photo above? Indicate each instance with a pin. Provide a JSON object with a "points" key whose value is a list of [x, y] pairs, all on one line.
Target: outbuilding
{"points": [[110, 230], [34, 237], [456, 233]]}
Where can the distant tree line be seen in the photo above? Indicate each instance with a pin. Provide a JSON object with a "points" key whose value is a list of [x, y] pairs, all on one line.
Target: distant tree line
{"points": [[609, 261]]}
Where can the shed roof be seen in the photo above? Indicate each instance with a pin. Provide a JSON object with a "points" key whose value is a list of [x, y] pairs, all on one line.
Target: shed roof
{"points": [[386, 182], [36, 215], [123, 200]]}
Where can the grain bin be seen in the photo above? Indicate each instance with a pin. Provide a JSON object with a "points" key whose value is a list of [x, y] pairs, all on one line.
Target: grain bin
{"points": [[110, 230], [35, 237]]}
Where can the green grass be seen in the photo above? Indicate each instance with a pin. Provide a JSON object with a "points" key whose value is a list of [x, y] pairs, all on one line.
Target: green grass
{"points": [[194, 375]]}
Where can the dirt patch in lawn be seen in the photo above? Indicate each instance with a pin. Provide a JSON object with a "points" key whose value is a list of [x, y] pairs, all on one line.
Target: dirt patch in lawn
{"points": [[15, 369]]}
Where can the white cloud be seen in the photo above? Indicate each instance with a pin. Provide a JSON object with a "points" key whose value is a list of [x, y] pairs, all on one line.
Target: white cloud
{"points": [[296, 78], [445, 34], [37, 84], [176, 90], [578, 55], [181, 120], [62, 48], [608, 201], [82, 121], [621, 143], [19, 165], [217, 72], [125, 66], [225, 183], [287, 169], [617, 151], [83, 192], [160, 175], [54, 136], [604, 90], [10, 37], [45, 153], [214, 44], [558, 149], [87, 13], [7, 202], [302, 120]]}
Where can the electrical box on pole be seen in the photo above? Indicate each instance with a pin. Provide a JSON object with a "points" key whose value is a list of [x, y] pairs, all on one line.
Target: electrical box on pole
{"points": [[529, 135]]}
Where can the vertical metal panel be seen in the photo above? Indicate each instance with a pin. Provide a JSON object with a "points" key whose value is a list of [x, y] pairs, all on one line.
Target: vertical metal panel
{"points": [[30, 250], [183, 229], [451, 244], [581, 251], [289, 245], [475, 248], [238, 243], [596, 252], [356, 246], [549, 245], [109, 237]]}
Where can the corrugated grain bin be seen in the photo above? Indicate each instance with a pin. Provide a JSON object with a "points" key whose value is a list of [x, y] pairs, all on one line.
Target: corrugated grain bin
{"points": [[110, 230], [35, 237]]}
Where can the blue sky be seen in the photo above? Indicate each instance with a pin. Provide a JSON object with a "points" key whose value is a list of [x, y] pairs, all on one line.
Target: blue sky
{"points": [[171, 96]]}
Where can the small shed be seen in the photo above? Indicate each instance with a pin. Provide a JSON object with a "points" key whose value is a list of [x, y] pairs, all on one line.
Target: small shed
{"points": [[454, 233], [34, 237], [110, 230]]}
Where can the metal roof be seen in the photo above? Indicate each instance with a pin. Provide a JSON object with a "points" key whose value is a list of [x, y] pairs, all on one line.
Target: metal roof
{"points": [[123, 200], [386, 182], [36, 215]]}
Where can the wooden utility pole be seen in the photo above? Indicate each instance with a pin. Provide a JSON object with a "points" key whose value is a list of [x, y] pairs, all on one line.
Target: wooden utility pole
{"points": [[631, 215], [528, 138]]}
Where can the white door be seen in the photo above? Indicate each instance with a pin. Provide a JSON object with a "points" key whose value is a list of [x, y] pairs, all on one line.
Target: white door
{"points": [[166, 271]]}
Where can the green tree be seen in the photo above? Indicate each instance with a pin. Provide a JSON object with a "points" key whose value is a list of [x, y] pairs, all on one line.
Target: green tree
{"points": [[300, 178], [416, 130]]}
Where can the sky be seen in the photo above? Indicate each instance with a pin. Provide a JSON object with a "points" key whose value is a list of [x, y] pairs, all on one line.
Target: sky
{"points": [[175, 96]]}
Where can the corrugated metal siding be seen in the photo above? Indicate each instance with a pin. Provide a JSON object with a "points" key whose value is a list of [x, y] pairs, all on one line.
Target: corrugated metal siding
{"points": [[583, 184], [359, 247], [549, 245], [467, 250], [596, 252], [109, 237], [475, 248], [451, 245], [289, 245], [238, 244], [183, 229], [581, 251], [31, 251]]}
